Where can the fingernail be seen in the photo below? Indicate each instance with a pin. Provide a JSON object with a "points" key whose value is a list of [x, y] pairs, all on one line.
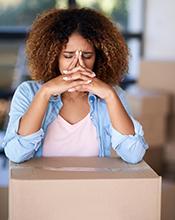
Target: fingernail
{"points": [[77, 52], [71, 90], [93, 74], [65, 71], [80, 52], [65, 78], [88, 81]]}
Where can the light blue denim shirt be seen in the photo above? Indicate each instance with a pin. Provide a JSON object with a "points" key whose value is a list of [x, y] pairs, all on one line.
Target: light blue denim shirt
{"points": [[131, 148]]}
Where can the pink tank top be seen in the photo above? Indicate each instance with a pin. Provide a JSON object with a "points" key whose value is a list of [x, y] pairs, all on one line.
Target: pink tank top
{"points": [[65, 139]]}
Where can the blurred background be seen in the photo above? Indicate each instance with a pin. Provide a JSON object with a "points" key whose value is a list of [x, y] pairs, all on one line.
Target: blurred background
{"points": [[149, 30]]}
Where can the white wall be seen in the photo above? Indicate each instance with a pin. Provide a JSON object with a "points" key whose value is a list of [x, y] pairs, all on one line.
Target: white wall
{"points": [[159, 30], [135, 24]]}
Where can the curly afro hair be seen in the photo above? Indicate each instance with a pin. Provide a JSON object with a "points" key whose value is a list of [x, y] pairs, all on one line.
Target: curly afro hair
{"points": [[51, 31]]}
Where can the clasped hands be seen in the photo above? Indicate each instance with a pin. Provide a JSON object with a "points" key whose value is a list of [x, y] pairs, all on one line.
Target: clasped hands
{"points": [[91, 82]]}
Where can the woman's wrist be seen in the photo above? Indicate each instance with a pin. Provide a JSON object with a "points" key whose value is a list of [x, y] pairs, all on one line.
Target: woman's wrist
{"points": [[111, 95], [44, 93]]}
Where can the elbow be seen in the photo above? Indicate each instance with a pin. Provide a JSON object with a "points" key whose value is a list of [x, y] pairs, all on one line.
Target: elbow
{"points": [[133, 154], [136, 151], [12, 157], [18, 153], [134, 159]]}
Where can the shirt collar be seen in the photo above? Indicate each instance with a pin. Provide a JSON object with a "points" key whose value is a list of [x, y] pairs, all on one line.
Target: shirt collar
{"points": [[92, 97]]}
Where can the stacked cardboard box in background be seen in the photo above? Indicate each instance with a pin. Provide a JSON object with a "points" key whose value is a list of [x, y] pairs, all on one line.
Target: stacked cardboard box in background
{"points": [[157, 75], [169, 155], [170, 146], [168, 200], [3, 188], [3, 203], [151, 109], [160, 76]]}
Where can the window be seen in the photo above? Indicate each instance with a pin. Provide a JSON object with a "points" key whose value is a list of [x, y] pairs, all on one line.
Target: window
{"points": [[22, 12], [16, 16], [128, 15]]}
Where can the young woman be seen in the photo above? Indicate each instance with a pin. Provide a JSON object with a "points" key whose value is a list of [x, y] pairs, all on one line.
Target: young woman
{"points": [[73, 106]]}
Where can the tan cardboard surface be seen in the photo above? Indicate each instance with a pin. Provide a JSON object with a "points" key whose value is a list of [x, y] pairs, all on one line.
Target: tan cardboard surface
{"points": [[157, 75], [154, 127], [170, 152], [168, 200], [84, 188], [171, 127], [3, 203], [147, 102], [79, 168]]}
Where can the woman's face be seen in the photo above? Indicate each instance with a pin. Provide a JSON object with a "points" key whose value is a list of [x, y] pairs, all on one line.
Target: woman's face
{"points": [[76, 42]]}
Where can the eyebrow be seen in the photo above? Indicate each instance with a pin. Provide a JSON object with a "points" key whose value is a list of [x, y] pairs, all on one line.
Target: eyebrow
{"points": [[84, 52]]}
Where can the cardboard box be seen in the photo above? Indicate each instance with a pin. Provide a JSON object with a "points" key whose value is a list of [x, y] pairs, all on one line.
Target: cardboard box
{"points": [[155, 158], [169, 158], [83, 188], [154, 129], [3, 203], [170, 152], [172, 105], [171, 127], [147, 102], [151, 109], [158, 75], [168, 200]]}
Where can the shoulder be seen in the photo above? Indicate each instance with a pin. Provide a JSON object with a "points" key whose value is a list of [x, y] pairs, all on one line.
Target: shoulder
{"points": [[28, 88], [29, 85], [25, 92]]}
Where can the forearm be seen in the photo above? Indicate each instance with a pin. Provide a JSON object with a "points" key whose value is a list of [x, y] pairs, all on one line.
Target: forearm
{"points": [[119, 117], [32, 119]]}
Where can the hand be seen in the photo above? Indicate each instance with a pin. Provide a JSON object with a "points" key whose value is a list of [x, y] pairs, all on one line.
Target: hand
{"points": [[79, 71], [60, 84], [93, 84], [97, 87]]}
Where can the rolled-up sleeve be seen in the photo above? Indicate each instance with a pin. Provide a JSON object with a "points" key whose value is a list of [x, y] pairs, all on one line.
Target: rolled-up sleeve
{"points": [[131, 148], [20, 148]]}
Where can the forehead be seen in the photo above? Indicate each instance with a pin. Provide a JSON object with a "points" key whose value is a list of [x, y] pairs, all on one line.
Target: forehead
{"points": [[77, 42]]}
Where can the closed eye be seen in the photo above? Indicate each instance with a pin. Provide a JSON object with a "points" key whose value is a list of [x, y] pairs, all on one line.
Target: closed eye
{"points": [[68, 56], [87, 56]]}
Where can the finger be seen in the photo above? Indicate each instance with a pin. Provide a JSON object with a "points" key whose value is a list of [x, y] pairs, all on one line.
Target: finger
{"points": [[82, 71], [74, 70], [81, 60], [87, 73], [80, 68], [73, 63], [78, 83], [82, 88], [75, 60], [71, 90], [76, 76]]}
